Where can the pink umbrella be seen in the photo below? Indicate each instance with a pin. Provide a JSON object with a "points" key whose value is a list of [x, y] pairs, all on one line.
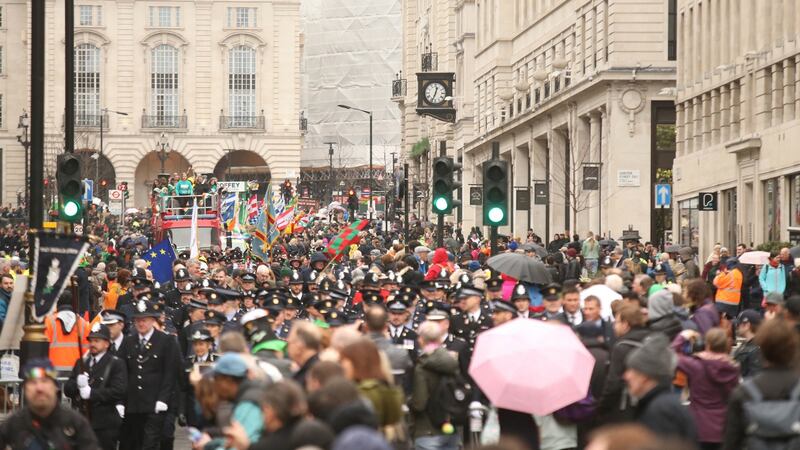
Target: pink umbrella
{"points": [[531, 366]]}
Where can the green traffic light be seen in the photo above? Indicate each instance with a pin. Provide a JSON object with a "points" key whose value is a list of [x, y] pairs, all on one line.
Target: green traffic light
{"points": [[440, 204], [71, 208], [496, 214]]}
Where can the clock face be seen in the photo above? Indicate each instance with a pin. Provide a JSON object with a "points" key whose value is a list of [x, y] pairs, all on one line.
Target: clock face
{"points": [[435, 93]]}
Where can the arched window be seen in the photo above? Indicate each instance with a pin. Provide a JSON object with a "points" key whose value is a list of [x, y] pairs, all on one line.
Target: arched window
{"points": [[87, 85], [242, 86], [164, 86]]}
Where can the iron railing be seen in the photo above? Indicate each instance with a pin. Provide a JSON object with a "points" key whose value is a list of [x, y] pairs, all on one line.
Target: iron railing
{"points": [[430, 62], [91, 120], [399, 87], [242, 122], [303, 122], [162, 121]]}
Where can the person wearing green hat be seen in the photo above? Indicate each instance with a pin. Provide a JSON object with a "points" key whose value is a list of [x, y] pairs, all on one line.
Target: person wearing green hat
{"points": [[42, 422]]}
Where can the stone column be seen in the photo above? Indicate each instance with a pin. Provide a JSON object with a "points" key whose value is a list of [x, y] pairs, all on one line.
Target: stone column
{"points": [[724, 113], [680, 130], [715, 114], [788, 87], [776, 94]]}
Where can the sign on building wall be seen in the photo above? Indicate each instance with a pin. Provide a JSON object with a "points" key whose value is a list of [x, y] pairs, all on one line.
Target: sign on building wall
{"points": [[591, 178], [233, 186], [540, 193], [629, 178], [475, 195], [523, 199]]}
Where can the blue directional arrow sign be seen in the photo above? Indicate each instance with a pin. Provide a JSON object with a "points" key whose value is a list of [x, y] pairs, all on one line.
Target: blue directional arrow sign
{"points": [[663, 195], [88, 189]]}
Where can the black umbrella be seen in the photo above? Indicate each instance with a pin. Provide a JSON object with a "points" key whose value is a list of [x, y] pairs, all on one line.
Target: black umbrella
{"points": [[521, 267], [795, 252], [608, 243], [674, 248], [540, 251]]}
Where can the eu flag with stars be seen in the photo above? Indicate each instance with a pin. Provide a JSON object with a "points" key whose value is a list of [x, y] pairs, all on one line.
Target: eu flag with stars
{"points": [[159, 261]]}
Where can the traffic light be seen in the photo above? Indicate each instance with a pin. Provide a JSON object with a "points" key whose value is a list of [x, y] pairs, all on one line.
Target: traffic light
{"points": [[495, 192], [103, 183], [287, 191], [443, 185], [70, 188], [352, 200]]}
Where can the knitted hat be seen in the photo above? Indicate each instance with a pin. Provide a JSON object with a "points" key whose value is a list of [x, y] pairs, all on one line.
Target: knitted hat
{"points": [[654, 358], [659, 304]]}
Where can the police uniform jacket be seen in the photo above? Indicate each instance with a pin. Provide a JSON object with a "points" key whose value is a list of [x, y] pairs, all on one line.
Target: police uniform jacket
{"points": [[462, 327], [460, 348], [108, 379], [63, 429], [152, 371]]}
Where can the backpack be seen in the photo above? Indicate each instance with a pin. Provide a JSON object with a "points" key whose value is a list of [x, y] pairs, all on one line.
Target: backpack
{"points": [[771, 424], [449, 401]]}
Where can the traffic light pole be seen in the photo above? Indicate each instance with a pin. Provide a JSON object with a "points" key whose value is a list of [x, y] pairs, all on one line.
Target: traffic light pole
{"points": [[407, 202], [34, 342], [493, 240], [440, 231]]}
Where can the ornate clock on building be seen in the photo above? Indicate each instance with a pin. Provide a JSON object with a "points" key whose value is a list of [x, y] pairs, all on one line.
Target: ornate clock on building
{"points": [[435, 95]]}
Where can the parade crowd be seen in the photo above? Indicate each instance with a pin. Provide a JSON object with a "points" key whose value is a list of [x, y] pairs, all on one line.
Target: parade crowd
{"points": [[371, 349]]}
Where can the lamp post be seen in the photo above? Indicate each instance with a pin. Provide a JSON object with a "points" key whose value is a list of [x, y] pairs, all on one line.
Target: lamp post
{"points": [[103, 111], [24, 124], [369, 181], [163, 155]]}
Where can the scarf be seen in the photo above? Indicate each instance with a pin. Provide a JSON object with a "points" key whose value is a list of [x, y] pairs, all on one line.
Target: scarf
{"points": [[774, 263]]}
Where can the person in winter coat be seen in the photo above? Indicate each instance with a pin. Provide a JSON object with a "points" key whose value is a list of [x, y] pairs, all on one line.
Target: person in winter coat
{"points": [[434, 363], [648, 376], [748, 355], [773, 276], [778, 342], [362, 364], [793, 283], [438, 263], [661, 314], [691, 270], [712, 376], [630, 329]]}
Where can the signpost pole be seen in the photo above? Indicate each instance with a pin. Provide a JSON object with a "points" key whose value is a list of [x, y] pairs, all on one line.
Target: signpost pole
{"points": [[407, 203]]}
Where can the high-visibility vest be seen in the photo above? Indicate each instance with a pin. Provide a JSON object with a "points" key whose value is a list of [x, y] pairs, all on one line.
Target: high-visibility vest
{"points": [[729, 287], [64, 349]]}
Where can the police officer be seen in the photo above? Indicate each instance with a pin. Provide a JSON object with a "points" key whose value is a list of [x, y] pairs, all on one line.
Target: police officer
{"points": [[201, 344], [43, 423], [153, 368], [440, 313], [551, 296], [399, 333], [296, 285], [115, 321], [99, 383], [522, 301], [471, 319]]}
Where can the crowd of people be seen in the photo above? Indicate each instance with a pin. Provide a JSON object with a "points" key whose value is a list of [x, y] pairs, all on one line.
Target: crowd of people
{"points": [[372, 349]]}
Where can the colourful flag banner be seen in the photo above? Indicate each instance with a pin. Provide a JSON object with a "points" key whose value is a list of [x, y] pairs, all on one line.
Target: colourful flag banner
{"points": [[347, 237], [252, 208]]}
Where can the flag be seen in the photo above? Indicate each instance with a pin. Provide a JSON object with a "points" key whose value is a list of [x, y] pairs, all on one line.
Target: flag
{"points": [[159, 260], [252, 208], [228, 210], [285, 218], [347, 237], [55, 259], [241, 218], [272, 231], [259, 244], [194, 246], [303, 223]]}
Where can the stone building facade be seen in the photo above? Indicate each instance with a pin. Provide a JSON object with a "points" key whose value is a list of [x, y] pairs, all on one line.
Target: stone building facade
{"points": [[738, 105], [215, 82], [575, 92]]}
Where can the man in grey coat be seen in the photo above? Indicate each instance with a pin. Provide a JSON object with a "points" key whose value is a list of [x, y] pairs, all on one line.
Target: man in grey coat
{"points": [[376, 320]]}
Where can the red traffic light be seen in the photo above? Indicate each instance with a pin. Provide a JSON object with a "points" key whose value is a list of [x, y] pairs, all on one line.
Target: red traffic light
{"points": [[351, 192], [103, 183]]}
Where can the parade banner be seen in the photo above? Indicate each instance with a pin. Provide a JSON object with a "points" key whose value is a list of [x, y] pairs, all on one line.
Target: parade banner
{"points": [[159, 261], [55, 259], [346, 238]]}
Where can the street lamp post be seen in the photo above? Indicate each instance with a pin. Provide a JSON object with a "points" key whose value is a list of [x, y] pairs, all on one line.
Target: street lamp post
{"points": [[369, 181], [103, 111], [163, 155], [24, 124]]}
